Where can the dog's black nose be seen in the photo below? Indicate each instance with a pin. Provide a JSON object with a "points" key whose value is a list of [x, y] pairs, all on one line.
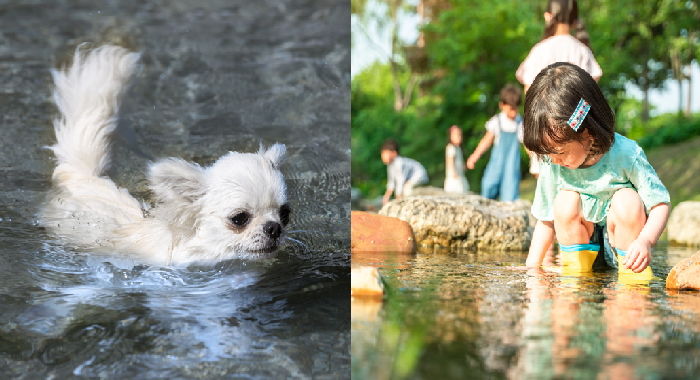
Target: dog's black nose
{"points": [[272, 229]]}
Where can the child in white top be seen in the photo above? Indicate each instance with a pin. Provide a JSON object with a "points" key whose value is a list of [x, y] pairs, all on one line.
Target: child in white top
{"points": [[561, 47], [455, 181], [403, 173], [561, 18]]}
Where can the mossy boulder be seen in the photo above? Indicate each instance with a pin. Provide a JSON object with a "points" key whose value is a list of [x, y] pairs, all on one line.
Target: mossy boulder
{"points": [[469, 222]]}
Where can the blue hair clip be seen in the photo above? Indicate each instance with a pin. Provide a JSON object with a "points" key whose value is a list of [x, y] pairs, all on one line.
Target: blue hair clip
{"points": [[579, 114]]}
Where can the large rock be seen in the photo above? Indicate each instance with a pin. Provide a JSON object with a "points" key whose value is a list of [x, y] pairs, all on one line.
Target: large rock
{"points": [[684, 223], [465, 221], [371, 232], [685, 274]]}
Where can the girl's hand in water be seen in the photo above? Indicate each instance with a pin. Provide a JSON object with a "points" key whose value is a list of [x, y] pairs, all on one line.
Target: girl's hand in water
{"points": [[638, 255]]}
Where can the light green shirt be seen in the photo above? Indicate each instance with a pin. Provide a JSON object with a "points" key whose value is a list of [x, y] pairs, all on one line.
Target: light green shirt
{"points": [[624, 166]]}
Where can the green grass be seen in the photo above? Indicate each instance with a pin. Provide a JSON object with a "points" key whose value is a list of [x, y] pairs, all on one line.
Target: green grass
{"points": [[666, 129], [678, 166]]}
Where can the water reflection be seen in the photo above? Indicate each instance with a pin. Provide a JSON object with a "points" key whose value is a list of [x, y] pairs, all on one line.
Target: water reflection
{"points": [[482, 316]]}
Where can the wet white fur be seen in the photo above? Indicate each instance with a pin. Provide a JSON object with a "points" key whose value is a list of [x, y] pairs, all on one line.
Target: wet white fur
{"points": [[189, 221]]}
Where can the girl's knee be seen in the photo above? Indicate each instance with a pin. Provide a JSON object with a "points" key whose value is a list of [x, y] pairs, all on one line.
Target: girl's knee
{"points": [[567, 206], [627, 208]]}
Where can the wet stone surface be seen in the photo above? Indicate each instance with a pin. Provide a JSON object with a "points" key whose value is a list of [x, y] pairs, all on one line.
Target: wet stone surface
{"points": [[215, 76]]}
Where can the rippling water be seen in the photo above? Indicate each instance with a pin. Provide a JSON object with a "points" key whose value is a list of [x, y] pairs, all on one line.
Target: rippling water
{"points": [[479, 316], [216, 76]]}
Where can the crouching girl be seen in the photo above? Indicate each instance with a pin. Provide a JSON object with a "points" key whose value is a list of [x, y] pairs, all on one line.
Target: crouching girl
{"points": [[596, 188]]}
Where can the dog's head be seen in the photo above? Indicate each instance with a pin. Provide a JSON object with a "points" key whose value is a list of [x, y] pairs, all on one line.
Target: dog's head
{"points": [[237, 207]]}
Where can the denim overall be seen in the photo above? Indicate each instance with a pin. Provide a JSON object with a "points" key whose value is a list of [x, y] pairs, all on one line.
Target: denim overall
{"points": [[502, 175]]}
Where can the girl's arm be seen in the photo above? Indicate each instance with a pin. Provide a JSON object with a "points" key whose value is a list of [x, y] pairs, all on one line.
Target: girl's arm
{"points": [[483, 146], [653, 192], [656, 222], [639, 251], [387, 196], [542, 238]]}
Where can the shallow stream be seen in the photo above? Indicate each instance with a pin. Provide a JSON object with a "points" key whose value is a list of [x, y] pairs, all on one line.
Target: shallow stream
{"points": [[467, 315]]}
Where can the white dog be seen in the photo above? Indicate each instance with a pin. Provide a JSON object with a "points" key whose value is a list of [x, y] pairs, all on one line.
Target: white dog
{"points": [[236, 208]]}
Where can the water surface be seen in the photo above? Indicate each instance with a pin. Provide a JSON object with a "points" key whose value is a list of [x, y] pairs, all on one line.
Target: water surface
{"points": [[469, 315]]}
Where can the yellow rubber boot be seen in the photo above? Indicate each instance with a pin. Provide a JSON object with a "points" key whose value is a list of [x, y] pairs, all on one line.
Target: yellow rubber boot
{"points": [[578, 258], [626, 275]]}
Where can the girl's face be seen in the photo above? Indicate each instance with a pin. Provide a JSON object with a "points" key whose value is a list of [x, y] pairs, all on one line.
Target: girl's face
{"points": [[572, 154], [510, 111], [388, 156], [455, 136]]}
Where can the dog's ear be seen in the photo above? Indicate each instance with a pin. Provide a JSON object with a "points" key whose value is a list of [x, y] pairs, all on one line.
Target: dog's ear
{"points": [[176, 180], [275, 153]]}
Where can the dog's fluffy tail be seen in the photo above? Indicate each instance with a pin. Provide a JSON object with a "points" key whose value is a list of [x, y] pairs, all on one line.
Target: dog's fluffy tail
{"points": [[87, 95]]}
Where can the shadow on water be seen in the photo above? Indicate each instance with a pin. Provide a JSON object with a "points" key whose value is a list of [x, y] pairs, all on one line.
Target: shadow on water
{"points": [[215, 76], [480, 316]]}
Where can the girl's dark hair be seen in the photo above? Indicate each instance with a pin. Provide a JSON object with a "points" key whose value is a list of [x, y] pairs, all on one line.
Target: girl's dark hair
{"points": [[511, 95], [390, 144], [552, 99], [564, 12]]}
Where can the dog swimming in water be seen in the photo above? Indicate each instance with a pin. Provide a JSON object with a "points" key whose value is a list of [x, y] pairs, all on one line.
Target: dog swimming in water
{"points": [[235, 208]]}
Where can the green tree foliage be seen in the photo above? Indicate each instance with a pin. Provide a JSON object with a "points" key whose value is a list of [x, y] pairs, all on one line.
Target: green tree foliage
{"points": [[478, 46], [631, 41], [385, 15], [374, 120]]}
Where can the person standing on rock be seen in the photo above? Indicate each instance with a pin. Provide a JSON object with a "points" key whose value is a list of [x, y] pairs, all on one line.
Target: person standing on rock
{"points": [[455, 181], [504, 131], [403, 173], [558, 45], [596, 190]]}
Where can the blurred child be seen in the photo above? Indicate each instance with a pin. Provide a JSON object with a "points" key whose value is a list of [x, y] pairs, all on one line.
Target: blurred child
{"points": [[455, 181], [596, 187], [403, 173], [558, 45], [505, 132]]}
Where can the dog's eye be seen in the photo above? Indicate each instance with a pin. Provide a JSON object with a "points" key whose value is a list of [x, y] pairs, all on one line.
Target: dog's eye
{"points": [[240, 219], [284, 214]]}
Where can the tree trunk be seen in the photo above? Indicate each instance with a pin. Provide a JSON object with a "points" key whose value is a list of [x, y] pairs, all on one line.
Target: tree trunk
{"points": [[398, 96]]}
